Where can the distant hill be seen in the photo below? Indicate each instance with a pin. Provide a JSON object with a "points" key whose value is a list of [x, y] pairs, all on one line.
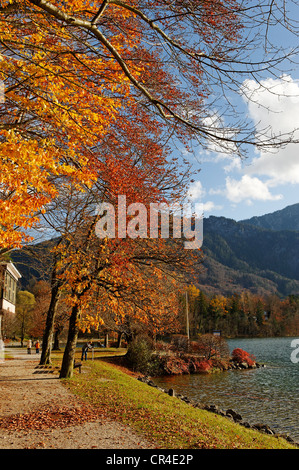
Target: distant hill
{"points": [[34, 263], [257, 256], [284, 219]]}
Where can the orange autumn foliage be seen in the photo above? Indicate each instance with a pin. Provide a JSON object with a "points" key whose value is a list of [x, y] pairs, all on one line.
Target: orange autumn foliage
{"points": [[57, 108], [124, 286], [70, 69]]}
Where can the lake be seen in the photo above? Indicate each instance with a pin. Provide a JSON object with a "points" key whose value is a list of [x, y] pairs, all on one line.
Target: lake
{"points": [[267, 395]]}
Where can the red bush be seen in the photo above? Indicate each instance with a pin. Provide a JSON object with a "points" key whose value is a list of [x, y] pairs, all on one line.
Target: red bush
{"points": [[239, 356], [162, 346], [196, 347], [205, 365], [175, 365]]}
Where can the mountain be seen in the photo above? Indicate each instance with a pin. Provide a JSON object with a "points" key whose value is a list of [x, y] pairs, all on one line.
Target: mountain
{"points": [[285, 219], [259, 256], [34, 263]]}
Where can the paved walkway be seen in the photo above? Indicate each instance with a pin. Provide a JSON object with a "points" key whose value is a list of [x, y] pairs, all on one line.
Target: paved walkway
{"points": [[37, 411]]}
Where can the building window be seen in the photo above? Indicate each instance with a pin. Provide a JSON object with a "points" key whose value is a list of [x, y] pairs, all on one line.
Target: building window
{"points": [[10, 288]]}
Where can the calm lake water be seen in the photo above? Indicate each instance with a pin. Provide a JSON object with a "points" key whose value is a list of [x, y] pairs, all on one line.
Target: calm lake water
{"points": [[269, 395]]}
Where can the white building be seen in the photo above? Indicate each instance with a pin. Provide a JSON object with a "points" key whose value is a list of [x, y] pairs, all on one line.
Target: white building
{"points": [[9, 276]]}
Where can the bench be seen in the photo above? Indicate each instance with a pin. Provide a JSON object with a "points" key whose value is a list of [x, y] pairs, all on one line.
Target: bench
{"points": [[78, 365]]}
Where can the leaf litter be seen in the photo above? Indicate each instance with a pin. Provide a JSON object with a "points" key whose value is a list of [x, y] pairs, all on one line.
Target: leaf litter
{"points": [[50, 417]]}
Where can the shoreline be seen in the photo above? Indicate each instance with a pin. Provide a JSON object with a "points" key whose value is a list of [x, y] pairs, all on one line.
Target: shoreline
{"points": [[229, 413]]}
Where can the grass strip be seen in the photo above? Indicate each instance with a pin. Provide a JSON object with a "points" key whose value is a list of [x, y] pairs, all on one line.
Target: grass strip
{"points": [[164, 420]]}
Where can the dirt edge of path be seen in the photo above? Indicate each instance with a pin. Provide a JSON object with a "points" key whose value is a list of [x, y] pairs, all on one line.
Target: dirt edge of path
{"points": [[38, 412]]}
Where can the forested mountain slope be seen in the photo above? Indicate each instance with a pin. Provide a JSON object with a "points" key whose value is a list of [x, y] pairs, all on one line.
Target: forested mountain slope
{"points": [[241, 255]]}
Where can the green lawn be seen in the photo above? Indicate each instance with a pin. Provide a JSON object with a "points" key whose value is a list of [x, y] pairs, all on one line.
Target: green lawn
{"points": [[168, 421]]}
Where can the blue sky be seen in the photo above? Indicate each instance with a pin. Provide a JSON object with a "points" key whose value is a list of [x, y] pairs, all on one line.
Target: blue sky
{"points": [[264, 182]]}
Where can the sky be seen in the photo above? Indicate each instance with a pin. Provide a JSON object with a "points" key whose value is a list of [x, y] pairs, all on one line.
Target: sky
{"points": [[264, 182]]}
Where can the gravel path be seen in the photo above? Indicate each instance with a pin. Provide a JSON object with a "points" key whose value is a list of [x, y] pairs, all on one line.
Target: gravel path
{"points": [[38, 412]]}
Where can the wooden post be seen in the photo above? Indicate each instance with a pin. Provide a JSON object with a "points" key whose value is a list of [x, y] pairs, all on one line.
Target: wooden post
{"points": [[187, 316]]}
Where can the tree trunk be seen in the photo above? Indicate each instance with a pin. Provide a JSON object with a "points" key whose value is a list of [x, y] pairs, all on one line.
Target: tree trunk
{"points": [[49, 328], [56, 339], [119, 338], [106, 341], [70, 348]]}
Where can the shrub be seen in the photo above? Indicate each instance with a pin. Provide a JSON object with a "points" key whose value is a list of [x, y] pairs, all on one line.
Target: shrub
{"points": [[180, 343], [205, 365], [162, 346], [239, 356], [213, 346], [139, 355], [196, 347], [174, 365]]}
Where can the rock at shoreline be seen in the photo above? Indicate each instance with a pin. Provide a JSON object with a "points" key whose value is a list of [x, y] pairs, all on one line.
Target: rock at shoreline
{"points": [[264, 428], [236, 416], [214, 409]]}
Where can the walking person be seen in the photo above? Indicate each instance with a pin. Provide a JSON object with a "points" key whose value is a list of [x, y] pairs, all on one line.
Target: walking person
{"points": [[37, 346], [29, 346], [85, 349]]}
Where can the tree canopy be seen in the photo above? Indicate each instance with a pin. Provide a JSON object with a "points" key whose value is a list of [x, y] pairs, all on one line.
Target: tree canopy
{"points": [[87, 82]]}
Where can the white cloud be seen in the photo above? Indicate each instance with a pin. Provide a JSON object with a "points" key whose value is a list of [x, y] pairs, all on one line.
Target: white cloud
{"points": [[210, 206], [235, 164], [273, 106], [248, 188], [196, 191]]}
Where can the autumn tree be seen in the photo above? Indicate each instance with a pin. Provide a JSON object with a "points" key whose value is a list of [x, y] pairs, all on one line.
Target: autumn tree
{"points": [[144, 300], [259, 313], [213, 346], [24, 309], [57, 106], [132, 280], [217, 311], [64, 216], [138, 168], [205, 45], [41, 292]]}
